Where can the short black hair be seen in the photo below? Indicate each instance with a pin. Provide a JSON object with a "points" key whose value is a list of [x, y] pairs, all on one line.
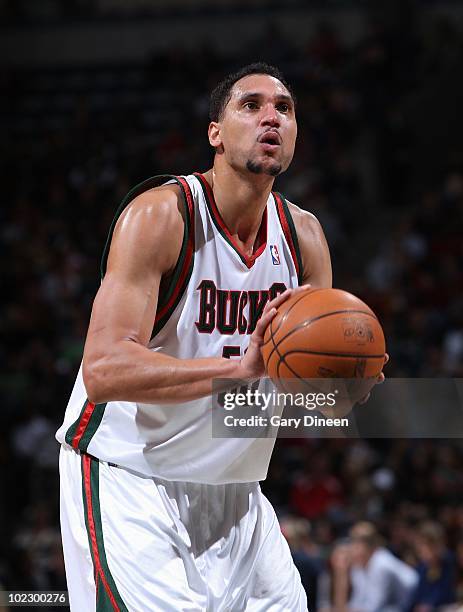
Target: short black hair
{"points": [[222, 93]]}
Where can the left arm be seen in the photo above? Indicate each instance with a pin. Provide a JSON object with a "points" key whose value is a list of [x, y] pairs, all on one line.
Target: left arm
{"points": [[316, 261]]}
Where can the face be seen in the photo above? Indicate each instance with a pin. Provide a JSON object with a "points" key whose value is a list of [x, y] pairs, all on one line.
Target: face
{"points": [[360, 552], [427, 552], [258, 129]]}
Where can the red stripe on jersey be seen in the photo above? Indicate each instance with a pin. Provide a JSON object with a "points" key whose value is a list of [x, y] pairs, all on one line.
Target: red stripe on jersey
{"points": [[261, 234], [85, 418]]}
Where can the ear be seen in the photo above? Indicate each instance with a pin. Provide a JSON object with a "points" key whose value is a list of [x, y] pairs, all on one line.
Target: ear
{"points": [[213, 132]]}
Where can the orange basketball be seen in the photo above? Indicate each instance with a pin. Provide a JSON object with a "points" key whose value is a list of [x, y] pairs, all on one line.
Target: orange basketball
{"points": [[325, 333]]}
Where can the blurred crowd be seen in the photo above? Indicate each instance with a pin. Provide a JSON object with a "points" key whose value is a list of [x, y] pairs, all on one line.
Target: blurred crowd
{"points": [[408, 493], [78, 139]]}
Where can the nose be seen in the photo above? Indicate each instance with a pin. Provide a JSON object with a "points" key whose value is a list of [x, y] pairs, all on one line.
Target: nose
{"points": [[270, 116]]}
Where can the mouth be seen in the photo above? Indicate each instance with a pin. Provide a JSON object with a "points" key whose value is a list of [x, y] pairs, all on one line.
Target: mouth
{"points": [[270, 139]]}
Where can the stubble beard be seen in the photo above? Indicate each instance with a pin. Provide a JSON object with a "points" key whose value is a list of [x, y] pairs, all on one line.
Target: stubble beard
{"points": [[258, 168]]}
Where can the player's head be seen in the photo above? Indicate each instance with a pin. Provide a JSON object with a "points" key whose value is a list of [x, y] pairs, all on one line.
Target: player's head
{"points": [[364, 540], [430, 542], [253, 123]]}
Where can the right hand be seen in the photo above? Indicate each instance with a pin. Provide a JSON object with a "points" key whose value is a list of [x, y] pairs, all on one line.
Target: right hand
{"points": [[252, 364]]}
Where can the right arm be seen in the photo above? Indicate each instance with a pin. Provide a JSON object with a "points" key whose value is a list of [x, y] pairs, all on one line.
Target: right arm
{"points": [[117, 364]]}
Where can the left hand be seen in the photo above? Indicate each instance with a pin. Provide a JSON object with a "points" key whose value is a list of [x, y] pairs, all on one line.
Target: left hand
{"points": [[251, 365], [381, 379]]}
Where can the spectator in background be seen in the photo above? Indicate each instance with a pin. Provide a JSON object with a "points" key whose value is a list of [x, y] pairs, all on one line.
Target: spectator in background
{"points": [[379, 581], [305, 553], [317, 490], [459, 570], [436, 570], [333, 585]]}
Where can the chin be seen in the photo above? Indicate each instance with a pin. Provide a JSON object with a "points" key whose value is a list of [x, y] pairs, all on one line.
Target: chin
{"points": [[269, 167]]}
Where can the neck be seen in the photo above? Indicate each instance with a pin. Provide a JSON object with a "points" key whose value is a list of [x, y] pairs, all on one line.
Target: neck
{"points": [[241, 198], [369, 556]]}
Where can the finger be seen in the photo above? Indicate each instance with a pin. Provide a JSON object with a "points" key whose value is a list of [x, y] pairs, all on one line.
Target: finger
{"points": [[301, 289], [381, 379], [270, 309], [263, 323], [386, 358], [282, 297]]}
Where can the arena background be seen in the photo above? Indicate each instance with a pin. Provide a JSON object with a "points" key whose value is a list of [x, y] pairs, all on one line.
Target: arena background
{"points": [[99, 94]]}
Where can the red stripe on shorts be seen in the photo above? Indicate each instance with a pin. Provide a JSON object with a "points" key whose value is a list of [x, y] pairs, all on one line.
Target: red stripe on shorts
{"points": [[86, 462]]}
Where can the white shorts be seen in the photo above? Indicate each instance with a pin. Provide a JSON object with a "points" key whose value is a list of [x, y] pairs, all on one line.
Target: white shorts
{"points": [[141, 544]]}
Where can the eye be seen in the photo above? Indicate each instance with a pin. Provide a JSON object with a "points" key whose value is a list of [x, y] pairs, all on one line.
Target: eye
{"points": [[251, 105], [283, 107]]}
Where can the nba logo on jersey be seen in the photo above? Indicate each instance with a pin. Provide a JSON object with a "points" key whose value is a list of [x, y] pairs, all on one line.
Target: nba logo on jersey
{"points": [[275, 255]]}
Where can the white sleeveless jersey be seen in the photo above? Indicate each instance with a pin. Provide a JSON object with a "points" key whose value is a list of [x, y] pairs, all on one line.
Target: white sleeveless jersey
{"points": [[208, 308]]}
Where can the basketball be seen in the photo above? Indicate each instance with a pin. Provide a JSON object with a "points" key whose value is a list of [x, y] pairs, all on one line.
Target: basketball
{"points": [[324, 334]]}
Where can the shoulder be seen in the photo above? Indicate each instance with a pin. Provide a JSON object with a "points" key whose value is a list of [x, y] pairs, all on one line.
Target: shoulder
{"points": [[152, 225], [304, 221], [316, 262], [161, 205], [383, 558]]}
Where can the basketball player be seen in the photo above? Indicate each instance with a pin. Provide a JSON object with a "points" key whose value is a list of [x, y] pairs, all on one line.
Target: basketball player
{"points": [[155, 513]]}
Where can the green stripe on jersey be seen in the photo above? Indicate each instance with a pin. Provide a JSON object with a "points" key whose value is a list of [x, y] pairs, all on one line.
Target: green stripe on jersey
{"points": [[92, 426], [176, 274], [293, 233], [72, 430]]}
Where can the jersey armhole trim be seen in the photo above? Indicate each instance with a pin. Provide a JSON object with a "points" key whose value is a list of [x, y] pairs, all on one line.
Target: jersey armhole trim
{"points": [[184, 266], [290, 233]]}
